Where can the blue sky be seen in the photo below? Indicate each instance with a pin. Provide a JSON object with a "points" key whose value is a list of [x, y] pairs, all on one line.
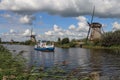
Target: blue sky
{"points": [[51, 19]]}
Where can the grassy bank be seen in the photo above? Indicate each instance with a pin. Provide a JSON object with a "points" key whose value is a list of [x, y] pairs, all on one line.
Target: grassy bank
{"points": [[9, 66], [100, 47], [67, 45], [12, 68]]}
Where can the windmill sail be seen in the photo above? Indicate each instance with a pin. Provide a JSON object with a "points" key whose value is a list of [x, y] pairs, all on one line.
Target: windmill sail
{"points": [[31, 31], [32, 36], [90, 23]]}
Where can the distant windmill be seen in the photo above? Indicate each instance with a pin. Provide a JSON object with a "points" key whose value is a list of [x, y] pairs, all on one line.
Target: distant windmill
{"points": [[95, 29], [32, 36]]}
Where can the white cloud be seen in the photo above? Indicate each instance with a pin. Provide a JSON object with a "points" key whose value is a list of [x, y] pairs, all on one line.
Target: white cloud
{"points": [[73, 32], [81, 18], [12, 31], [116, 26], [26, 19], [104, 8], [82, 24], [5, 15], [60, 33], [48, 33], [56, 28], [72, 27], [27, 32], [17, 36]]}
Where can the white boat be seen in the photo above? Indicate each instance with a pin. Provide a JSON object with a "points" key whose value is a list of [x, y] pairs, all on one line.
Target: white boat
{"points": [[42, 46]]}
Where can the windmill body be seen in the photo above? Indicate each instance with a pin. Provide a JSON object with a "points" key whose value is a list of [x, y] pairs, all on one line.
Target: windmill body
{"points": [[95, 31], [33, 39], [32, 36]]}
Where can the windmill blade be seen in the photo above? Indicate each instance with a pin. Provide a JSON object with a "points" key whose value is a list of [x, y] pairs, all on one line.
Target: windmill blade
{"points": [[93, 14], [103, 30], [90, 23], [88, 33], [27, 36], [31, 31]]}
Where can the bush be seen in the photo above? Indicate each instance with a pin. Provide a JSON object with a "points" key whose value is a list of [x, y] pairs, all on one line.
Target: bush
{"points": [[65, 41], [111, 38], [9, 66], [29, 42], [97, 42], [72, 44]]}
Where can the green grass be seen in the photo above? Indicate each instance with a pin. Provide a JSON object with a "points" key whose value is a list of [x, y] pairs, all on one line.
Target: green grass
{"points": [[9, 65], [12, 68]]}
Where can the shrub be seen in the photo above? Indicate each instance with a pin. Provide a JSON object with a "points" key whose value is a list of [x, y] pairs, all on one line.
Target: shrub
{"points": [[111, 38], [65, 41]]}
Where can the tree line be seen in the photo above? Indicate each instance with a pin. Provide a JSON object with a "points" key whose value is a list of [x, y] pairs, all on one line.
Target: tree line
{"points": [[108, 39]]}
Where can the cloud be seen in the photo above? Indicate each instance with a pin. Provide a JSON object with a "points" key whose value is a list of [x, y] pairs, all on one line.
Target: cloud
{"points": [[5, 15], [12, 34], [27, 32], [26, 19], [49, 33], [116, 26], [73, 32], [72, 27], [16, 35], [68, 8], [12, 31], [56, 28], [82, 24]]}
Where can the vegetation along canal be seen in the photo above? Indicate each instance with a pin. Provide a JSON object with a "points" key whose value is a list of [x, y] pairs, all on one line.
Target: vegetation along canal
{"points": [[105, 62]]}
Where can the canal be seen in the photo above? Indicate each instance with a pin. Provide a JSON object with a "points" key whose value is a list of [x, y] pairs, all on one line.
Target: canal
{"points": [[105, 62]]}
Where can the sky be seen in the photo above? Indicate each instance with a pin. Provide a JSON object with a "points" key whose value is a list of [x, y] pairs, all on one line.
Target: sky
{"points": [[51, 19]]}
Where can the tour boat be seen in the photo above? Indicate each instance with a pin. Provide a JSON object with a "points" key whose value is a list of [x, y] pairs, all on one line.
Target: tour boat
{"points": [[42, 46]]}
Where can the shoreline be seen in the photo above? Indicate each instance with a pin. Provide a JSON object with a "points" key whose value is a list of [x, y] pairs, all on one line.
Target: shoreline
{"points": [[90, 47], [101, 47]]}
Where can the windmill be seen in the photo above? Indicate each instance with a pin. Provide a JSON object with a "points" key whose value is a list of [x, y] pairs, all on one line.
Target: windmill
{"points": [[95, 29], [32, 36]]}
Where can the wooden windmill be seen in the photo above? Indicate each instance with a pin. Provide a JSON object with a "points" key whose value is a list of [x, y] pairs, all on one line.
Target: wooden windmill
{"points": [[32, 36], [95, 29]]}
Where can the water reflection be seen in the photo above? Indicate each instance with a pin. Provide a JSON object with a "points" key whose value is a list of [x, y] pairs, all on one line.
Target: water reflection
{"points": [[105, 62]]}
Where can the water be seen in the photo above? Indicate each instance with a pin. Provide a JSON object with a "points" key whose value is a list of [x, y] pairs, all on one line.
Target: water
{"points": [[106, 62]]}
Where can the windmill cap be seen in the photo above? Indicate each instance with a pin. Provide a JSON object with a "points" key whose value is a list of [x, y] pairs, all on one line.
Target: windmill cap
{"points": [[96, 25]]}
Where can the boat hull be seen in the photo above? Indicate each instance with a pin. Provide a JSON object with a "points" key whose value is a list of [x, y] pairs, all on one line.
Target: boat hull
{"points": [[44, 49]]}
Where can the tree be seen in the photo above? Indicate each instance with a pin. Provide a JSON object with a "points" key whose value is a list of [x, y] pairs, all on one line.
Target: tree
{"points": [[0, 40], [111, 38], [59, 40], [65, 40]]}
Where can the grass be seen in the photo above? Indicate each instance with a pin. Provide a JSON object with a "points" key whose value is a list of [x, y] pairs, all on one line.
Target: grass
{"points": [[9, 65], [101, 47], [12, 68]]}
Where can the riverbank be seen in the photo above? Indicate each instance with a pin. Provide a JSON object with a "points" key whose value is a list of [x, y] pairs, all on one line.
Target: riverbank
{"points": [[89, 47], [100, 47], [73, 68], [9, 66], [12, 68]]}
